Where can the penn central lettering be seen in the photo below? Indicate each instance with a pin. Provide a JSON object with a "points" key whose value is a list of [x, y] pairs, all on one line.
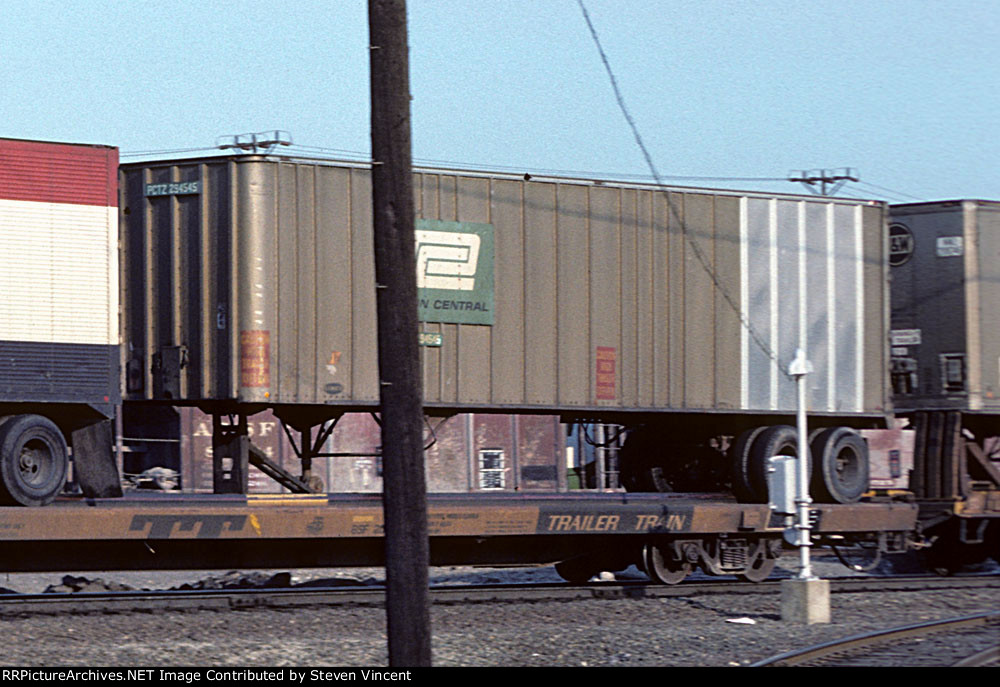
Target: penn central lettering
{"points": [[439, 304], [583, 523]]}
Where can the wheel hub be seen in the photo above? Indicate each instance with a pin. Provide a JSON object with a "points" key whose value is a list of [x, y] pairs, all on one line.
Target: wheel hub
{"points": [[32, 462]]}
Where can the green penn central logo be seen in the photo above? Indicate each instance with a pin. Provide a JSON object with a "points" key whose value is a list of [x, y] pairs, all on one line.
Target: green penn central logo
{"points": [[447, 260], [454, 272]]}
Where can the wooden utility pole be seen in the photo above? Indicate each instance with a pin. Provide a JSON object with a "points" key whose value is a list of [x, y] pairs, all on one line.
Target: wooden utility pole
{"points": [[404, 491]]}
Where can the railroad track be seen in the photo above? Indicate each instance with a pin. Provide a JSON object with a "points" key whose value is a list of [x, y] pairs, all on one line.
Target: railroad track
{"points": [[13, 605], [966, 641]]}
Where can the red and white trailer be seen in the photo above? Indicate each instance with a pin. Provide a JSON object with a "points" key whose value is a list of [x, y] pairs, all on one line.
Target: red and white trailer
{"points": [[59, 356]]}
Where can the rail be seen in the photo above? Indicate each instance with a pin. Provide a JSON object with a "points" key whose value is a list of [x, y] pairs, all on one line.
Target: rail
{"points": [[869, 639]]}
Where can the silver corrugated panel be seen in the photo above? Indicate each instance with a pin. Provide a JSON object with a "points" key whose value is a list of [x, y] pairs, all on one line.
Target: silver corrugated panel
{"points": [[804, 266], [257, 284]]}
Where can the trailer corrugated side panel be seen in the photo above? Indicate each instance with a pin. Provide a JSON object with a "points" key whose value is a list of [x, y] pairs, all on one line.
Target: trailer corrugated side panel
{"points": [[550, 295], [946, 352], [59, 273]]}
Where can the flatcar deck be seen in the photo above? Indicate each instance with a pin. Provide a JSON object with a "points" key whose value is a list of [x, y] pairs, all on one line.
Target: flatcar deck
{"points": [[163, 531]]}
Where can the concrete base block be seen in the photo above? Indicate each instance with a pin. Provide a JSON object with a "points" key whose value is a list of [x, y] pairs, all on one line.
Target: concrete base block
{"points": [[805, 601]]}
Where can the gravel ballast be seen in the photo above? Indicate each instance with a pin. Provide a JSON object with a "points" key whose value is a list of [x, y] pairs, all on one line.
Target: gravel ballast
{"points": [[695, 630]]}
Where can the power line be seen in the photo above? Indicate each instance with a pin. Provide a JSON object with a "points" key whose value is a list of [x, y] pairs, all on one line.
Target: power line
{"points": [[868, 193], [363, 156], [854, 193], [696, 249], [135, 153], [539, 170], [889, 190]]}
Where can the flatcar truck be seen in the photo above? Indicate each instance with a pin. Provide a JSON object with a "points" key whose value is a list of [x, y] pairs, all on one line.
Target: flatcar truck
{"points": [[59, 358]]}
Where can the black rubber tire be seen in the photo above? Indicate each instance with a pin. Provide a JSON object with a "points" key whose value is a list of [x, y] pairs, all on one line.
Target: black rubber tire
{"points": [[578, 570], [777, 440], [840, 466], [33, 461], [739, 457]]}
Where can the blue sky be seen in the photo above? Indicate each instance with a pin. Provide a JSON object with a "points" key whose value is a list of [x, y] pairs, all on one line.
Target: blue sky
{"points": [[906, 92]]}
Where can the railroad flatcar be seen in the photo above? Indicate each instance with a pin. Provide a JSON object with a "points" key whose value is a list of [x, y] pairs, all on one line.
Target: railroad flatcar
{"points": [[247, 284]]}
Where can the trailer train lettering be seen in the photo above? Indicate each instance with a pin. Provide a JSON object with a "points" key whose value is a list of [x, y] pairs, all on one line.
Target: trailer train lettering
{"points": [[674, 522], [583, 523]]}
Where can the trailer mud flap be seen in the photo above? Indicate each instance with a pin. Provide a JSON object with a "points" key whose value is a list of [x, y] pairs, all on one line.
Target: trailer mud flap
{"points": [[94, 461]]}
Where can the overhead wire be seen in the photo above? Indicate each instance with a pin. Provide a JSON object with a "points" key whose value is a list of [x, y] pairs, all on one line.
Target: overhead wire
{"points": [[168, 151], [656, 178], [691, 241], [866, 194], [853, 193], [362, 156], [889, 190], [543, 170]]}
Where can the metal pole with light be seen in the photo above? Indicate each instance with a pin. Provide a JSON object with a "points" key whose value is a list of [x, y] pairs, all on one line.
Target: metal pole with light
{"points": [[805, 599], [799, 368]]}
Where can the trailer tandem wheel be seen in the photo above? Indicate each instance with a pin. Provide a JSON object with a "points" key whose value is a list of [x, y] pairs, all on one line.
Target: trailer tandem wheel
{"points": [[776, 440], [33, 461], [840, 465], [745, 488]]}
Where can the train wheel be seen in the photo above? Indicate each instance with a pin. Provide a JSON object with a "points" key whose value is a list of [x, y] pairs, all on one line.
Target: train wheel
{"points": [[661, 566], [840, 466], [33, 461], [760, 565]]}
